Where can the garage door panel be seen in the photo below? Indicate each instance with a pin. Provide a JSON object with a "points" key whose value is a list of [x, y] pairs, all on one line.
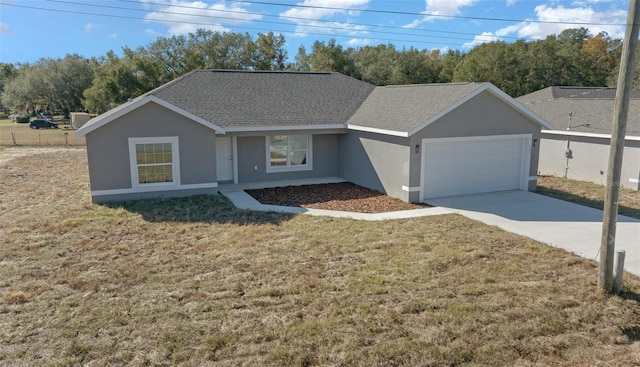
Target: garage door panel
{"points": [[471, 166]]}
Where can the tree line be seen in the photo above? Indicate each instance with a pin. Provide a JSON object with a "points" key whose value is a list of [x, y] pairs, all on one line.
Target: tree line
{"points": [[574, 57]]}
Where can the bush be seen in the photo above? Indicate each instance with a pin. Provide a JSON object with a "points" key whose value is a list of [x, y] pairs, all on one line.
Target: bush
{"points": [[20, 118]]}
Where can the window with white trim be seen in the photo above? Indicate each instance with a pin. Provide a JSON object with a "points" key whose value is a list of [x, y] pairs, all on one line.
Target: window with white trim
{"points": [[154, 161], [288, 153]]}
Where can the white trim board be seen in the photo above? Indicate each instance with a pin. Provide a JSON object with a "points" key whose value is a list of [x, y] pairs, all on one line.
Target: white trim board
{"points": [[212, 185], [378, 131], [411, 188], [586, 135], [285, 128]]}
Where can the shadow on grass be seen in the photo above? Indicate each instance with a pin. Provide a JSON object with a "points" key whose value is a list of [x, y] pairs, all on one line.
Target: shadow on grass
{"points": [[597, 204], [633, 333], [200, 208]]}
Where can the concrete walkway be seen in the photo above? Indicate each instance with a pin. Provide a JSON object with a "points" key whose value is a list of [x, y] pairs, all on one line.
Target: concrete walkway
{"points": [[562, 224]]}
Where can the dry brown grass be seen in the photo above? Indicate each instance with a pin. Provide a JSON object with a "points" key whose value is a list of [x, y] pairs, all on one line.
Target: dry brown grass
{"points": [[588, 194], [196, 282]]}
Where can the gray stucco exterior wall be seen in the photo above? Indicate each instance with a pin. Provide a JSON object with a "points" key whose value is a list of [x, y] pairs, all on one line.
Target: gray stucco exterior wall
{"points": [[483, 115], [589, 159], [252, 160], [108, 152], [379, 162]]}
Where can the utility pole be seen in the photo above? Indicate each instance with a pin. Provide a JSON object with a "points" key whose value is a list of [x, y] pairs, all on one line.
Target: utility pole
{"points": [[620, 112]]}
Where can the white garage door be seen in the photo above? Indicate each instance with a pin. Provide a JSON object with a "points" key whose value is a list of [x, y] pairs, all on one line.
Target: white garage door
{"points": [[472, 165]]}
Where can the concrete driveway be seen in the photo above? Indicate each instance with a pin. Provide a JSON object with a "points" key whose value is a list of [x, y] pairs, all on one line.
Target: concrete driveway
{"points": [[573, 227]]}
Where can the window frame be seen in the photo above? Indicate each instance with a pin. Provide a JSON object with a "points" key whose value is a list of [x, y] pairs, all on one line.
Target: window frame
{"points": [[288, 167], [175, 157]]}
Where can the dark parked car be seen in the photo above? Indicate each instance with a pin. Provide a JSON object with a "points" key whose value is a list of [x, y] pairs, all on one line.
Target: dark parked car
{"points": [[36, 124]]}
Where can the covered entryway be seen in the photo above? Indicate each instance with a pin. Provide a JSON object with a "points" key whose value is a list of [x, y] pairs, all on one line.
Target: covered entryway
{"points": [[472, 165]]}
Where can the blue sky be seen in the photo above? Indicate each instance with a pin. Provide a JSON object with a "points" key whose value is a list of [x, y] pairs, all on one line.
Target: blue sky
{"points": [[34, 29]]}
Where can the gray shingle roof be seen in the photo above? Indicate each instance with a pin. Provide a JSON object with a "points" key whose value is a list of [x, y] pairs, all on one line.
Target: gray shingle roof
{"points": [[403, 107], [231, 100], [260, 99], [593, 106]]}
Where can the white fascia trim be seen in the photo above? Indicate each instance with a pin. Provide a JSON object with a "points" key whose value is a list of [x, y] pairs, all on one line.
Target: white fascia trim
{"points": [[123, 109], [241, 129], [212, 185], [378, 131], [496, 92], [586, 135], [476, 138], [410, 188]]}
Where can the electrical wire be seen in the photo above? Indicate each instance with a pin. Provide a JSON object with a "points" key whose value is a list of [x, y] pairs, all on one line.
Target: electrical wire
{"points": [[272, 22], [240, 27]]}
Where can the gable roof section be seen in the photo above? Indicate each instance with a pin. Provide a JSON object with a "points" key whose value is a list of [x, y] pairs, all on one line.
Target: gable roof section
{"points": [[235, 101], [259, 100], [105, 118], [588, 105], [407, 109]]}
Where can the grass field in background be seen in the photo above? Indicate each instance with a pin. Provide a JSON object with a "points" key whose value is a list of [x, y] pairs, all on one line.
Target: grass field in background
{"points": [[197, 282], [23, 135], [588, 194]]}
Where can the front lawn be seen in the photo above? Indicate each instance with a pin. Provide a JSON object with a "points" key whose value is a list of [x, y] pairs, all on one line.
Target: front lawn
{"points": [[196, 282]]}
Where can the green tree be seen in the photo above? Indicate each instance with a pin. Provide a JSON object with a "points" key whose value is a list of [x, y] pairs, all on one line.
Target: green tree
{"points": [[49, 84], [267, 52], [375, 64], [7, 73], [450, 62], [331, 57], [116, 80], [302, 60], [415, 66]]}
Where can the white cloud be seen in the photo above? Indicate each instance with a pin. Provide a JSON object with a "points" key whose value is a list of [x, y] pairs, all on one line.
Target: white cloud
{"points": [[530, 30], [151, 32], [560, 18], [440, 9], [113, 35], [184, 17], [315, 10], [355, 42], [447, 7], [89, 27], [480, 39], [5, 29], [590, 2], [310, 17]]}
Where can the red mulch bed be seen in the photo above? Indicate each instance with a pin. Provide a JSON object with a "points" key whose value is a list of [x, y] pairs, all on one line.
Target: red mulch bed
{"points": [[343, 196]]}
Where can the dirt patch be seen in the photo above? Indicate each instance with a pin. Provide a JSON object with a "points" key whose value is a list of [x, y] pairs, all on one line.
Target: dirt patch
{"points": [[343, 196], [7, 154]]}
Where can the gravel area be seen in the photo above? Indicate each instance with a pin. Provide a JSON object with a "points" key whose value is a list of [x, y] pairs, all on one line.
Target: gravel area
{"points": [[343, 196]]}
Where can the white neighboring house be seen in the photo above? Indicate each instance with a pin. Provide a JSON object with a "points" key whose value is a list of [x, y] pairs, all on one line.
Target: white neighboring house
{"points": [[578, 146]]}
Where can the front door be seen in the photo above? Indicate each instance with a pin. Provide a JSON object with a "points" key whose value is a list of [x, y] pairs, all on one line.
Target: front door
{"points": [[224, 159]]}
